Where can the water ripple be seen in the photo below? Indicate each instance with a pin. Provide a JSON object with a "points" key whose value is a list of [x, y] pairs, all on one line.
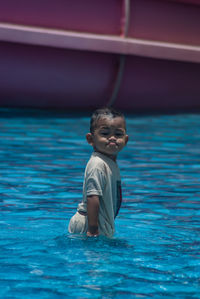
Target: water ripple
{"points": [[155, 251]]}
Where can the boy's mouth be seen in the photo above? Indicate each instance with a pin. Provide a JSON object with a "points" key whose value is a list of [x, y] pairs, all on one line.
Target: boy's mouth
{"points": [[112, 143]]}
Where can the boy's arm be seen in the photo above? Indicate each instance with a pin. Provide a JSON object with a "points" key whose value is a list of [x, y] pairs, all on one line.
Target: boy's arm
{"points": [[93, 215]]}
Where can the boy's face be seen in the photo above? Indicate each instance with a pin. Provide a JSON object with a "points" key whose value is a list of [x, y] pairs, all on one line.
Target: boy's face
{"points": [[109, 137]]}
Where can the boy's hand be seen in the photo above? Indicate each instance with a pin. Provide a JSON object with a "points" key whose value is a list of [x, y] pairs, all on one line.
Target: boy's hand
{"points": [[89, 234]]}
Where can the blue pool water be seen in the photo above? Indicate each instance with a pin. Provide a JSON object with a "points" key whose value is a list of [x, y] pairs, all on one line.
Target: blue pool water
{"points": [[155, 252]]}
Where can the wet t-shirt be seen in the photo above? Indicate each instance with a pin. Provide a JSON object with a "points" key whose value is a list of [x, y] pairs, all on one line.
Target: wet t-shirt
{"points": [[102, 178]]}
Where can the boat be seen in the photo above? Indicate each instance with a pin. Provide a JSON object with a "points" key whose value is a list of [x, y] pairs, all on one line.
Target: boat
{"points": [[74, 54]]}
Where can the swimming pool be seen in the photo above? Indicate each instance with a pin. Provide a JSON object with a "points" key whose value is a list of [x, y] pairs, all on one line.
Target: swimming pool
{"points": [[155, 252]]}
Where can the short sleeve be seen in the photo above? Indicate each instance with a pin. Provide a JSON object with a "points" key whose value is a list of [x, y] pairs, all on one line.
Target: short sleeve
{"points": [[95, 182]]}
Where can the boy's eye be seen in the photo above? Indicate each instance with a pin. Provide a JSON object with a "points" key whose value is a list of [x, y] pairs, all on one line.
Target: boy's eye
{"points": [[107, 133], [119, 134], [104, 133]]}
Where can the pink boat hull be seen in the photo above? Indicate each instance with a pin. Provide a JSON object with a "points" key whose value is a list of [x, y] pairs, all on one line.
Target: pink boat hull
{"points": [[134, 55]]}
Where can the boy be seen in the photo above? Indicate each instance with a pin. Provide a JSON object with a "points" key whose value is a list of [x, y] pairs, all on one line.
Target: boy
{"points": [[102, 183]]}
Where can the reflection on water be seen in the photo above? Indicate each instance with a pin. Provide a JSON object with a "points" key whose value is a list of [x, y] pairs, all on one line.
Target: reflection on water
{"points": [[155, 251]]}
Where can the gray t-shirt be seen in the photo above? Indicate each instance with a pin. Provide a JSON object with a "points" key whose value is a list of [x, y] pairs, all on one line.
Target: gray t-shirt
{"points": [[102, 178]]}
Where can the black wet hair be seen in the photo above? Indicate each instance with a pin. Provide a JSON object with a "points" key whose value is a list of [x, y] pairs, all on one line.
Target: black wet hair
{"points": [[101, 113]]}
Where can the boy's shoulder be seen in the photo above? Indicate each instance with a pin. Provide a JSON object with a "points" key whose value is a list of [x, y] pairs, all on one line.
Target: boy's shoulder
{"points": [[101, 162], [96, 160]]}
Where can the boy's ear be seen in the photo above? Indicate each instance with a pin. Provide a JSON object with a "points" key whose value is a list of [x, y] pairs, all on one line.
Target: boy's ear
{"points": [[89, 138], [127, 138]]}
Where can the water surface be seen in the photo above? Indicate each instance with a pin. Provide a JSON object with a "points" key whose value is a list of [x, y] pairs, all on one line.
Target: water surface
{"points": [[155, 252]]}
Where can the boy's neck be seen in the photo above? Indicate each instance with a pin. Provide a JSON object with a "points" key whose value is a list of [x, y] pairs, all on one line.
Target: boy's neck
{"points": [[112, 157]]}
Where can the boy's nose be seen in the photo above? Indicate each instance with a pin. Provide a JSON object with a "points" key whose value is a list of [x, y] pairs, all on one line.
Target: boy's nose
{"points": [[112, 138]]}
